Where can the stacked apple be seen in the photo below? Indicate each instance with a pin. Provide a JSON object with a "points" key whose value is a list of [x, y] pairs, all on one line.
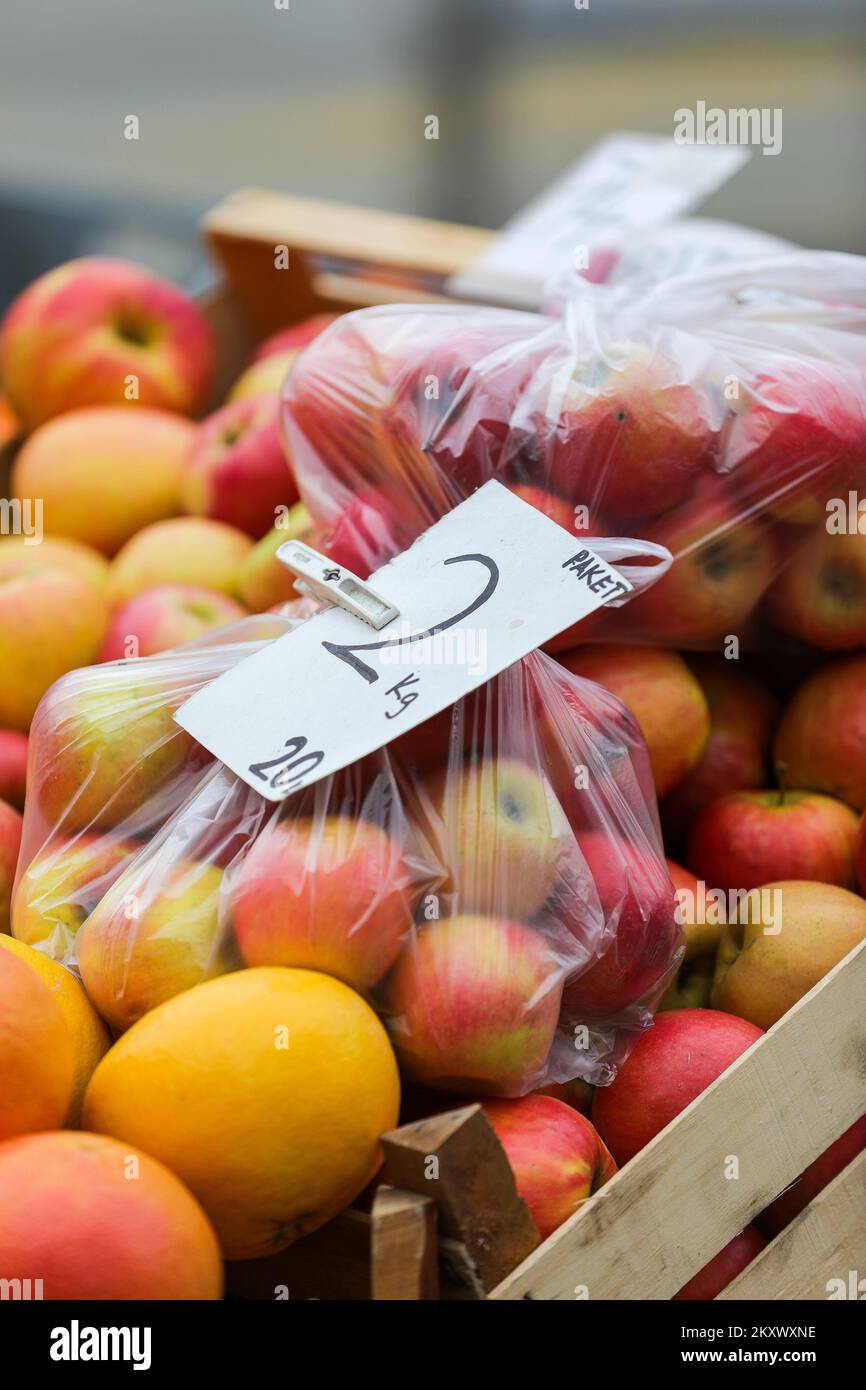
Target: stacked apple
{"points": [[727, 445], [143, 527]]}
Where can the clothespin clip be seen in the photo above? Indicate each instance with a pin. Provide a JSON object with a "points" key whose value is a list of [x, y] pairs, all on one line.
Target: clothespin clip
{"points": [[333, 583]]}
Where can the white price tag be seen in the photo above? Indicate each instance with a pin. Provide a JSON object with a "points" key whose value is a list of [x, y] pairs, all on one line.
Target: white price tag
{"points": [[490, 582], [625, 183]]}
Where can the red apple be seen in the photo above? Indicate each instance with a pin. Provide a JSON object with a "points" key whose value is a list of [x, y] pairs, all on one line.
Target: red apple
{"points": [[474, 1004], [723, 1268], [635, 442], [669, 1065], [331, 895], [89, 331], [166, 616], [13, 766], [557, 1158], [801, 439], [820, 744], [237, 471], [749, 838], [628, 892], [736, 755], [820, 596], [373, 528], [662, 694], [295, 337], [813, 1179], [724, 559]]}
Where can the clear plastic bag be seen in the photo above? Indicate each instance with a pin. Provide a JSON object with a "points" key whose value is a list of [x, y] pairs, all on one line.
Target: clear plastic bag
{"points": [[721, 414], [493, 881]]}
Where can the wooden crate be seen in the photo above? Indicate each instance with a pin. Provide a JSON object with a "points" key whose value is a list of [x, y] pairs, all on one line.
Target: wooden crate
{"points": [[465, 1233], [655, 1224]]}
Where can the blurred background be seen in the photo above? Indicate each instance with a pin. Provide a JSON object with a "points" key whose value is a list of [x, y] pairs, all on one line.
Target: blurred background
{"points": [[329, 97]]}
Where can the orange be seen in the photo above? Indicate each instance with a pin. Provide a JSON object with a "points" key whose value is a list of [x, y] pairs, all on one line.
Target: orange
{"points": [[36, 1054], [93, 1220], [90, 1037], [265, 1091]]}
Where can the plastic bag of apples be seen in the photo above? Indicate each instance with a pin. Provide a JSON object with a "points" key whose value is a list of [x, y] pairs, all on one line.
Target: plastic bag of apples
{"points": [[492, 881], [720, 413]]}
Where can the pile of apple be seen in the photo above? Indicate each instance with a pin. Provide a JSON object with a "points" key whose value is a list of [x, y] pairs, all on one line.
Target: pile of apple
{"points": [[494, 882], [734, 442]]}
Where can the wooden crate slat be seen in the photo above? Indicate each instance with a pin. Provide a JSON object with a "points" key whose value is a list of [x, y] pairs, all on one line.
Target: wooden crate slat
{"points": [[456, 1159], [403, 1247], [826, 1241], [671, 1209]]}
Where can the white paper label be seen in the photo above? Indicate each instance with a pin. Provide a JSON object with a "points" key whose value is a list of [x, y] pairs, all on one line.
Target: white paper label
{"points": [[625, 183], [490, 582]]}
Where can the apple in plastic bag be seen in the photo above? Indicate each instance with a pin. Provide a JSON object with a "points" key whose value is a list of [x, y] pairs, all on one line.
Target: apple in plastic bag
{"points": [[331, 895], [500, 833], [62, 885], [801, 440], [724, 560], [153, 935], [474, 1003], [820, 595], [105, 748], [628, 888]]}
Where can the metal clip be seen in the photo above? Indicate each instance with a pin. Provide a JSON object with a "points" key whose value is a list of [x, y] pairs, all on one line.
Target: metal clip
{"points": [[333, 583]]}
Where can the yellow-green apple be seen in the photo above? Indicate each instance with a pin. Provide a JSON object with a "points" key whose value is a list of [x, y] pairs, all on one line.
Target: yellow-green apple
{"points": [[106, 749], [13, 767], [61, 886], [752, 837], [820, 595], [636, 440], [723, 1268], [331, 895], [99, 331], [50, 622], [670, 1064], [662, 694], [10, 844], [236, 470], [263, 580], [701, 911], [723, 562], [737, 753], [184, 550], [801, 440], [820, 743], [105, 472], [166, 616], [786, 936], [813, 1179], [576, 1093], [555, 1153], [18, 554], [500, 833], [474, 1003], [153, 935], [621, 908]]}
